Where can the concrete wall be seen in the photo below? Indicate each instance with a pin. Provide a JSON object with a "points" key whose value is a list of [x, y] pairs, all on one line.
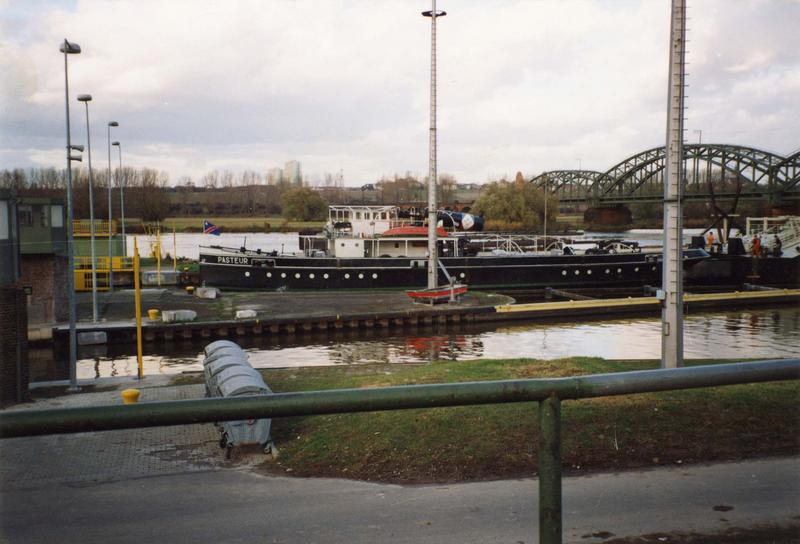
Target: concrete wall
{"points": [[46, 275], [13, 345]]}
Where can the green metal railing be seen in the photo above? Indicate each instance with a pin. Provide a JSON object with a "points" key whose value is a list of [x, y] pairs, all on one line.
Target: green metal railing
{"points": [[548, 392]]}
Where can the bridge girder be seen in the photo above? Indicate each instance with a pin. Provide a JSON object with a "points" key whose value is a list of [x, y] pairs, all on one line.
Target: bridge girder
{"points": [[756, 172]]}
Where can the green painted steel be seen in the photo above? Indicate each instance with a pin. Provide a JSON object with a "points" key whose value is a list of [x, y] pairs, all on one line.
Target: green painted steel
{"points": [[98, 418], [550, 470]]}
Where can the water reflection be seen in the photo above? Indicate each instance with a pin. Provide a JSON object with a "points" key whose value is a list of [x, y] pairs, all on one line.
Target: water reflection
{"points": [[767, 333]]}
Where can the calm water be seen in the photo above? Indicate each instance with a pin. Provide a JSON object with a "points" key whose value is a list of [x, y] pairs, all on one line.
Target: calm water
{"points": [[763, 333]]}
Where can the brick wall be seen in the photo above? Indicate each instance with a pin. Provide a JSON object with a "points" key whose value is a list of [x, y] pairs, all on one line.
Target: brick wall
{"points": [[13, 345], [46, 275]]}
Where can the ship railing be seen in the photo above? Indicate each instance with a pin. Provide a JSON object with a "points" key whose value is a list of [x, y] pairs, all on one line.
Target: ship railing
{"points": [[548, 393]]}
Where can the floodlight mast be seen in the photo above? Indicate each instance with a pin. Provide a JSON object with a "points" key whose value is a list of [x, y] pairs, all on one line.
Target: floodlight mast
{"points": [[69, 48], [433, 261]]}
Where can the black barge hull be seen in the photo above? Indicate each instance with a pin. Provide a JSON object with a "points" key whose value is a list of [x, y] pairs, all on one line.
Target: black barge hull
{"points": [[249, 270]]}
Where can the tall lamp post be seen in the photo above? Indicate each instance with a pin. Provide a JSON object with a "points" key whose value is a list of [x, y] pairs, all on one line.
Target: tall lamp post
{"points": [[121, 180], [110, 190], [433, 272], [86, 98], [70, 49]]}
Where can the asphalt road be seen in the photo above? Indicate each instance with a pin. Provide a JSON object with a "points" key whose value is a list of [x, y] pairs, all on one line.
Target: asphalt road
{"points": [[238, 505]]}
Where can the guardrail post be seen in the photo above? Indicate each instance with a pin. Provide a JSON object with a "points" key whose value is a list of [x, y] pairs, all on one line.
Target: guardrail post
{"points": [[550, 470]]}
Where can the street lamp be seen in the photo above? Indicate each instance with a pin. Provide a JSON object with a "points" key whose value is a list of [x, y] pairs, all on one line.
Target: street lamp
{"points": [[70, 49], [121, 179], [86, 98], [110, 190]]}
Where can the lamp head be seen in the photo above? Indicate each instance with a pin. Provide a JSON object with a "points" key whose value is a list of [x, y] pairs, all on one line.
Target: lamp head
{"points": [[115, 143], [70, 48], [113, 124], [84, 97], [76, 147], [438, 13]]}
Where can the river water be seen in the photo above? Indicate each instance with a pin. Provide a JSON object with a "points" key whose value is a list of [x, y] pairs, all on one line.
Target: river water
{"points": [[187, 244], [761, 333]]}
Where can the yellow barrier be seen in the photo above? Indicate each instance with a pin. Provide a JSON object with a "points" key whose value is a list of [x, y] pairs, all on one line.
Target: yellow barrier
{"points": [[83, 280], [83, 227]]}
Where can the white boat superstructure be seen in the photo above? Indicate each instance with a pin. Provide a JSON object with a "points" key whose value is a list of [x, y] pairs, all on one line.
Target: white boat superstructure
{"points": [[770, 230]]}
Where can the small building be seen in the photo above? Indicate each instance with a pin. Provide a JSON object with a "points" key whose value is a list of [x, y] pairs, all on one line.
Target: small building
{"points": [[13, 314], [43, 256]]}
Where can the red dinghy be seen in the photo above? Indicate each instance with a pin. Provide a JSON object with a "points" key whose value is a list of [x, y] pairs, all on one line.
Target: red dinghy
{"points": [[437, 294]]}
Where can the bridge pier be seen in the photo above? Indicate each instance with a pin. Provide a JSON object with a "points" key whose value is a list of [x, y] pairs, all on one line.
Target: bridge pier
{"points": [[611, 216]]}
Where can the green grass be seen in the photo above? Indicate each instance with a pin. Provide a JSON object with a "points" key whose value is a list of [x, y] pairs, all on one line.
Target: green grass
{"points": [[500, 441]]}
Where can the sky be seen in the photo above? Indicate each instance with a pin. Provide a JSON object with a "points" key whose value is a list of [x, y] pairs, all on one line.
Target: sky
{"points": [[343, 86]]}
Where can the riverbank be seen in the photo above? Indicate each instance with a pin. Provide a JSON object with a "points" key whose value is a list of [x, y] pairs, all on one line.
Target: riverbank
{"points": [[500, 441]]}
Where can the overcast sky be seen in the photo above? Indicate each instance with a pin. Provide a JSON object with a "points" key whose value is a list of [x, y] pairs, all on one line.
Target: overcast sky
{"points": [[523, 85]]}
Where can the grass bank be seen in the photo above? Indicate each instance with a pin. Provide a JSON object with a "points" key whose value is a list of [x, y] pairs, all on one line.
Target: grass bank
{"points": [[500, 441]]}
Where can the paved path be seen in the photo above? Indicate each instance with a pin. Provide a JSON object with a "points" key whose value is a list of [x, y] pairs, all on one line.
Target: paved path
{"points": [[174, 485]]}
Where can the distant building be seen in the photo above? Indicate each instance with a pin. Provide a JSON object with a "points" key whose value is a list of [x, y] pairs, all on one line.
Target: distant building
{"points": [[292, 173], [274, 176]]}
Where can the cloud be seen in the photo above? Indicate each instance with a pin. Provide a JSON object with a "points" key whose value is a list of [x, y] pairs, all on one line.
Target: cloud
{"points": [[530, 86]]}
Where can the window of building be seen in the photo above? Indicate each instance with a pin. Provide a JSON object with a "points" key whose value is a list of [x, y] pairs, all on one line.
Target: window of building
{"points": [[3, 220], [57, 216], [25, 216], [44, 216]]}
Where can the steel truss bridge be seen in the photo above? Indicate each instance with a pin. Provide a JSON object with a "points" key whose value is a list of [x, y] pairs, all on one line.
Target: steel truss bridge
{"points": [[736, 172]]}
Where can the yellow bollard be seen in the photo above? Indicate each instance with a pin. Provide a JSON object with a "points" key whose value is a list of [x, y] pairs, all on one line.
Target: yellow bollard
{"points": [[130, 396], [190, 289], [152, 314]]}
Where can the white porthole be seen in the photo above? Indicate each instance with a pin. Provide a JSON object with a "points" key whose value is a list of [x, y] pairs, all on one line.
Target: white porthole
{"points": [[653, 269], [636, 269], [588, 272], [361, 276], [283, 274], [577, 272], [347, 276], [563, 272], [374, 276], [247, 274], [619, 271], [462, 275], [297, 275], [311, 276], [608, 271], [269, 274], [325, 275]]}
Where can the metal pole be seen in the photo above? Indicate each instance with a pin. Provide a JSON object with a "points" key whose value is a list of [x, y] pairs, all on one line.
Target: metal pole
{"points": [[672, 270], [110, 215], [550, 470], [153, 414], [138, 307], [158, 255], [91, 217], [545, 212], [433, 268], [73, 339], [122, 202]]}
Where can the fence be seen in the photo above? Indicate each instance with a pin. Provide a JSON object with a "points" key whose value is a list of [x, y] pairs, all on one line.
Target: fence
{"points": [[548, 392]]}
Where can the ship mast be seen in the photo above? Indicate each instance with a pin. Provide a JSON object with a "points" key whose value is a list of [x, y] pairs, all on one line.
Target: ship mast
{"points": [[433, 264]]}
